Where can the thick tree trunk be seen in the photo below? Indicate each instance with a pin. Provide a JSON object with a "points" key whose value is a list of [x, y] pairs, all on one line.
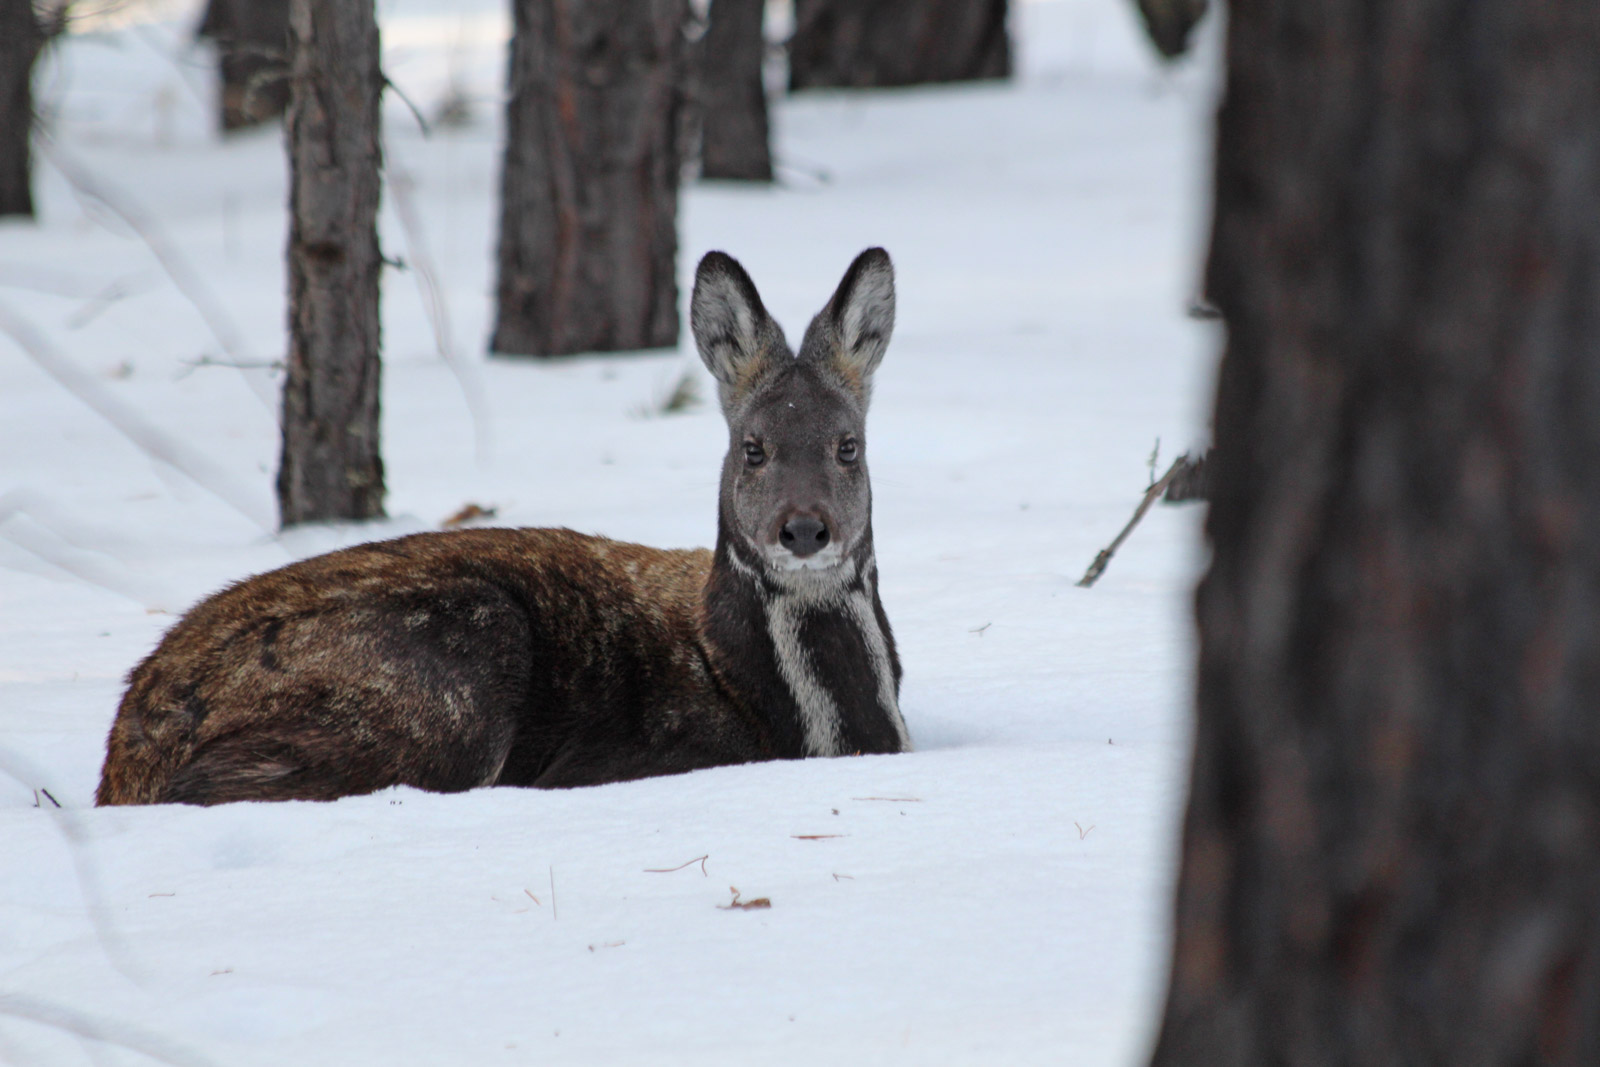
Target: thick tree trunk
{"points": [[1392, 848], [330, 466], [870, 43], [252, 39], [21, 38], [732, 97], [589, 193]]}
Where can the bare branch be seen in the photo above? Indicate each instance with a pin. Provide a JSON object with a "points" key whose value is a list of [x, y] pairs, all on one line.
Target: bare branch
{"points": [[18, 767], [146, 436], [1092, 575], [416, 112], [401, 185], [99, 1028], [188, 281]]}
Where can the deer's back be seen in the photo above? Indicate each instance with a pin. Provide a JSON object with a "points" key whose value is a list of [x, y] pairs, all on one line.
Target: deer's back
{"points": [[444, 661]]}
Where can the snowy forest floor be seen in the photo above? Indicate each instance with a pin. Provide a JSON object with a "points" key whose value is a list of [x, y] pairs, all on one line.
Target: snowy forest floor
{"points": [[999, 896]]}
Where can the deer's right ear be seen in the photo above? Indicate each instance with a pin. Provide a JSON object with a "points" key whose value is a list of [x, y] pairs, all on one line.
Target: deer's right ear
{"points": [[731, 328]]}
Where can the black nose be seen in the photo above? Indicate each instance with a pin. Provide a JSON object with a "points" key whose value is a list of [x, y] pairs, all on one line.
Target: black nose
{"points": [[803, 535]]}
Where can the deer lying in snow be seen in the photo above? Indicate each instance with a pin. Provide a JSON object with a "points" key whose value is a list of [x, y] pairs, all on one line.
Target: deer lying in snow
{"points": [[448, 661]]}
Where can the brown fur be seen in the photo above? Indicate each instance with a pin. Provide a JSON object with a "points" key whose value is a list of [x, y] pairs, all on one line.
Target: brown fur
{"points": [[407, 662]]}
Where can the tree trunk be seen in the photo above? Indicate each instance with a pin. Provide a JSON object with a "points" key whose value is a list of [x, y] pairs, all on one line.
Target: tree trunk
{"points": [[1392, 848], [871, 43], [732, 94], [1169, 23], [589, 193], [331, 467], [252, 39], [21, 38]]}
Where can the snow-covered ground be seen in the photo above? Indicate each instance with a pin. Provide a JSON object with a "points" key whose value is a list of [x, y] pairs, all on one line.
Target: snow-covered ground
{"points": [[997, 897]]}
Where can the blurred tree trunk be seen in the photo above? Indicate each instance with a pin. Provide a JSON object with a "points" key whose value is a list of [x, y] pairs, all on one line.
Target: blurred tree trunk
{"points": [[21, 40], [1169, 23], [870, 43], [732, 97], [1392, 848], [331, 467], [252, 38], [589, 189]]}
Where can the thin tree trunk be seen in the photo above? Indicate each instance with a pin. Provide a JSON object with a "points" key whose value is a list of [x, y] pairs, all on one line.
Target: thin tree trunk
{"points": [[734, 137], [1392, 847], [873, 43], [589, 193], [21, 39], [331, 467], [252, 38]]}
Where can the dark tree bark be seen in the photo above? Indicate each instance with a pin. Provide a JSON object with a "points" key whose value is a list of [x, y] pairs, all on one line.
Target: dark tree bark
{"points": [[21, 39], [589, 191], [872, 43], [252, 38], [331, 467], [1392, 848], [732, 96], [1170, 22]]}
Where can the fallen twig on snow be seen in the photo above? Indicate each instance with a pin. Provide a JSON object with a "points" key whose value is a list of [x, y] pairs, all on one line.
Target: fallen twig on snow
{"points": [[468, 513], [701, 860], [744, 905], [1096, 568]]}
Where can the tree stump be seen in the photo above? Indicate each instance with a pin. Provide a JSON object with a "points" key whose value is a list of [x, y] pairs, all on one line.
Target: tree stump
{"points": [[1391, 854], [331, 467], [589, 189]]}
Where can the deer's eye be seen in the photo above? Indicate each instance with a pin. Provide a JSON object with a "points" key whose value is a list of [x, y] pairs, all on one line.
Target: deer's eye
{"points": [[754, 454], [849, 450]]}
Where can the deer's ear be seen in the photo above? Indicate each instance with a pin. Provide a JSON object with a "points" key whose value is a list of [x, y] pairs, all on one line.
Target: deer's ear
{"points": [[861, 317], [735, 335]]}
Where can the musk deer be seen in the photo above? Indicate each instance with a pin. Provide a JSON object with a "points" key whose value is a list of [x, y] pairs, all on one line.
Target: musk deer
{"points": [[528, 657]]}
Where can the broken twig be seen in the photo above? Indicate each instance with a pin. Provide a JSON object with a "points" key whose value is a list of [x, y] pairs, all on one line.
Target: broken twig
{"points": [[744, 905], [1096, 568], [701, 860]]}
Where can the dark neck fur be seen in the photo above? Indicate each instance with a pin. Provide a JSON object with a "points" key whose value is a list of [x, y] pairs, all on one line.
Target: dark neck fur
{"points": [[809, 654]]}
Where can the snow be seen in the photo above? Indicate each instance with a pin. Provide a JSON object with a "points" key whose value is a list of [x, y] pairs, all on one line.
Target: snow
{"points": [[998, 896]]}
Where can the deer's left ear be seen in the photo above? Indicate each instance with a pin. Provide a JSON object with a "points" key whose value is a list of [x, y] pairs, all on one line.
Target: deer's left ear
{"points": [[860, 317]]}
